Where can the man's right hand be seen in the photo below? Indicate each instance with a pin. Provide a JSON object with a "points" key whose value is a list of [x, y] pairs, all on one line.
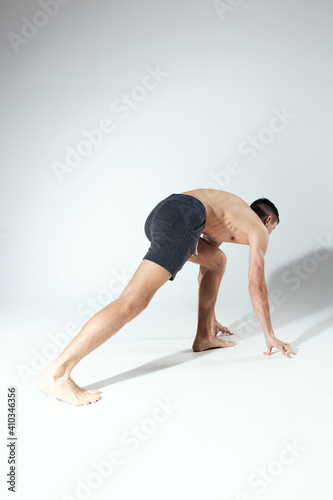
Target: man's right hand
{"points": [[283, 347]]}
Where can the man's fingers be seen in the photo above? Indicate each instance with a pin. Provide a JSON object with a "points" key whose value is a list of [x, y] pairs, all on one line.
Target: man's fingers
{"points": [[226, 332], [218, 328], [284, 352], [290, 349], [283, 347]]}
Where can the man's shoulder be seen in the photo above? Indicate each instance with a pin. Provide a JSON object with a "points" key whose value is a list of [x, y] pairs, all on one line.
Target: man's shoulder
{"points": [[258, 236]]}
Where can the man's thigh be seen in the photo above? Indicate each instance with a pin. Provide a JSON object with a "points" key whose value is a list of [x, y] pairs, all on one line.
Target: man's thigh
{"points": [[146, 280], [209, 255]]}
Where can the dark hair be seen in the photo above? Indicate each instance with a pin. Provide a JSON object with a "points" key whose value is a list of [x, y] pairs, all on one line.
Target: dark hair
{"points": [[263, 207]]}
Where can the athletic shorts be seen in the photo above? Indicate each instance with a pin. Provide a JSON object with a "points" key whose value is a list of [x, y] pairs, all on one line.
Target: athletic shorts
{"points": [[174, 227]]}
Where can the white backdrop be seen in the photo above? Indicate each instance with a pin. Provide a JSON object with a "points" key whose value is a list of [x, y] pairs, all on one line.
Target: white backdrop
{"points": [[218, 77], [108, 107]]}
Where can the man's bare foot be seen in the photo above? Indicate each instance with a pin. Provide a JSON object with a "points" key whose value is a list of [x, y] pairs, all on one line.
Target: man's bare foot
{"points": [[211, 342], [65, 389]]}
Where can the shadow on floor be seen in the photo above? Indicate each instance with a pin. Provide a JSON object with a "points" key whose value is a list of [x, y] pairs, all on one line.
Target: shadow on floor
{"points": [[168, 361], [187, 355], [304, 292], [301, 288], [312, 331]]}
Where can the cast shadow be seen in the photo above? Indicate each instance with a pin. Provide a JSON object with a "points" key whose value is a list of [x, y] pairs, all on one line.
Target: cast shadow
{"points": [[168, 361], [163, 363], [187, 355], [312, 331], [301, 296], [302, 288]]}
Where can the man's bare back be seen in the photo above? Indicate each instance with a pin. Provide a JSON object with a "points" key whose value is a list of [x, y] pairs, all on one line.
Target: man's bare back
{"points": [[229, 218]]}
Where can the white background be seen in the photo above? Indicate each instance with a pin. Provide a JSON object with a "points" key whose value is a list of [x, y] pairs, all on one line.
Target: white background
{"points": [[63, 241]]}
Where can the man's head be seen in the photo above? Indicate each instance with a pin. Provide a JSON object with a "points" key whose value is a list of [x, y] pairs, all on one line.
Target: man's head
{"points": [[267, 212]]}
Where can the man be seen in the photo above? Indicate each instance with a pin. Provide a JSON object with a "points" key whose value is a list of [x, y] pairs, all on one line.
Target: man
{"points": [[174, 228]]}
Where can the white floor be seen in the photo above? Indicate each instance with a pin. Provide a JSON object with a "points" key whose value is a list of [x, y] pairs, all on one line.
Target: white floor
{"points": [[227, 424]]}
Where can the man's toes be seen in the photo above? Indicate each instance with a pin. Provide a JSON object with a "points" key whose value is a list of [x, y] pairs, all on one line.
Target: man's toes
{"points": [[93, 397], [90, 397]]}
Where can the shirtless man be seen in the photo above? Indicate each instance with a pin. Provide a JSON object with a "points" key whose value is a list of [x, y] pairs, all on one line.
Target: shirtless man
{"points": [[174, 228]]}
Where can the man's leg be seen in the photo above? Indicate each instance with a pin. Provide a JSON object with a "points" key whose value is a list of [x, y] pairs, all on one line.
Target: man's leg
{"points": [[56, 380], [216, 327], [214, 262]]}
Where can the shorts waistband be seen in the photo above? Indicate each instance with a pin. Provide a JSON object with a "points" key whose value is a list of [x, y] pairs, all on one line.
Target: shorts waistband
{"points": [[188, 198]]}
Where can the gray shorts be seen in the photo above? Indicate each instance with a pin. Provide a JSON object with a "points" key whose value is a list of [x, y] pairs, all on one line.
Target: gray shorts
{"points": [[174, 227]]}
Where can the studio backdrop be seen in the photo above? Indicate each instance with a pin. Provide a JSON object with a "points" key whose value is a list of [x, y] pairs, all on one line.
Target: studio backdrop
{"points": [[108, 107]]}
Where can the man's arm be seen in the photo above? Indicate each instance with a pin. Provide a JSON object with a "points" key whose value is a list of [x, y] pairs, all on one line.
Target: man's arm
{"points": [[258, 241]]}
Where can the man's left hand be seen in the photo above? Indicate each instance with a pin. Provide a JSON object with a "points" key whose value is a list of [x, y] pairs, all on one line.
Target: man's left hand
{"points": [[217, 327]]}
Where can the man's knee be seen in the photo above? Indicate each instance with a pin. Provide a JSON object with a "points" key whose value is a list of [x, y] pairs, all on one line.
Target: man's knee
{"points": [[134, 303], [219, 262]]}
